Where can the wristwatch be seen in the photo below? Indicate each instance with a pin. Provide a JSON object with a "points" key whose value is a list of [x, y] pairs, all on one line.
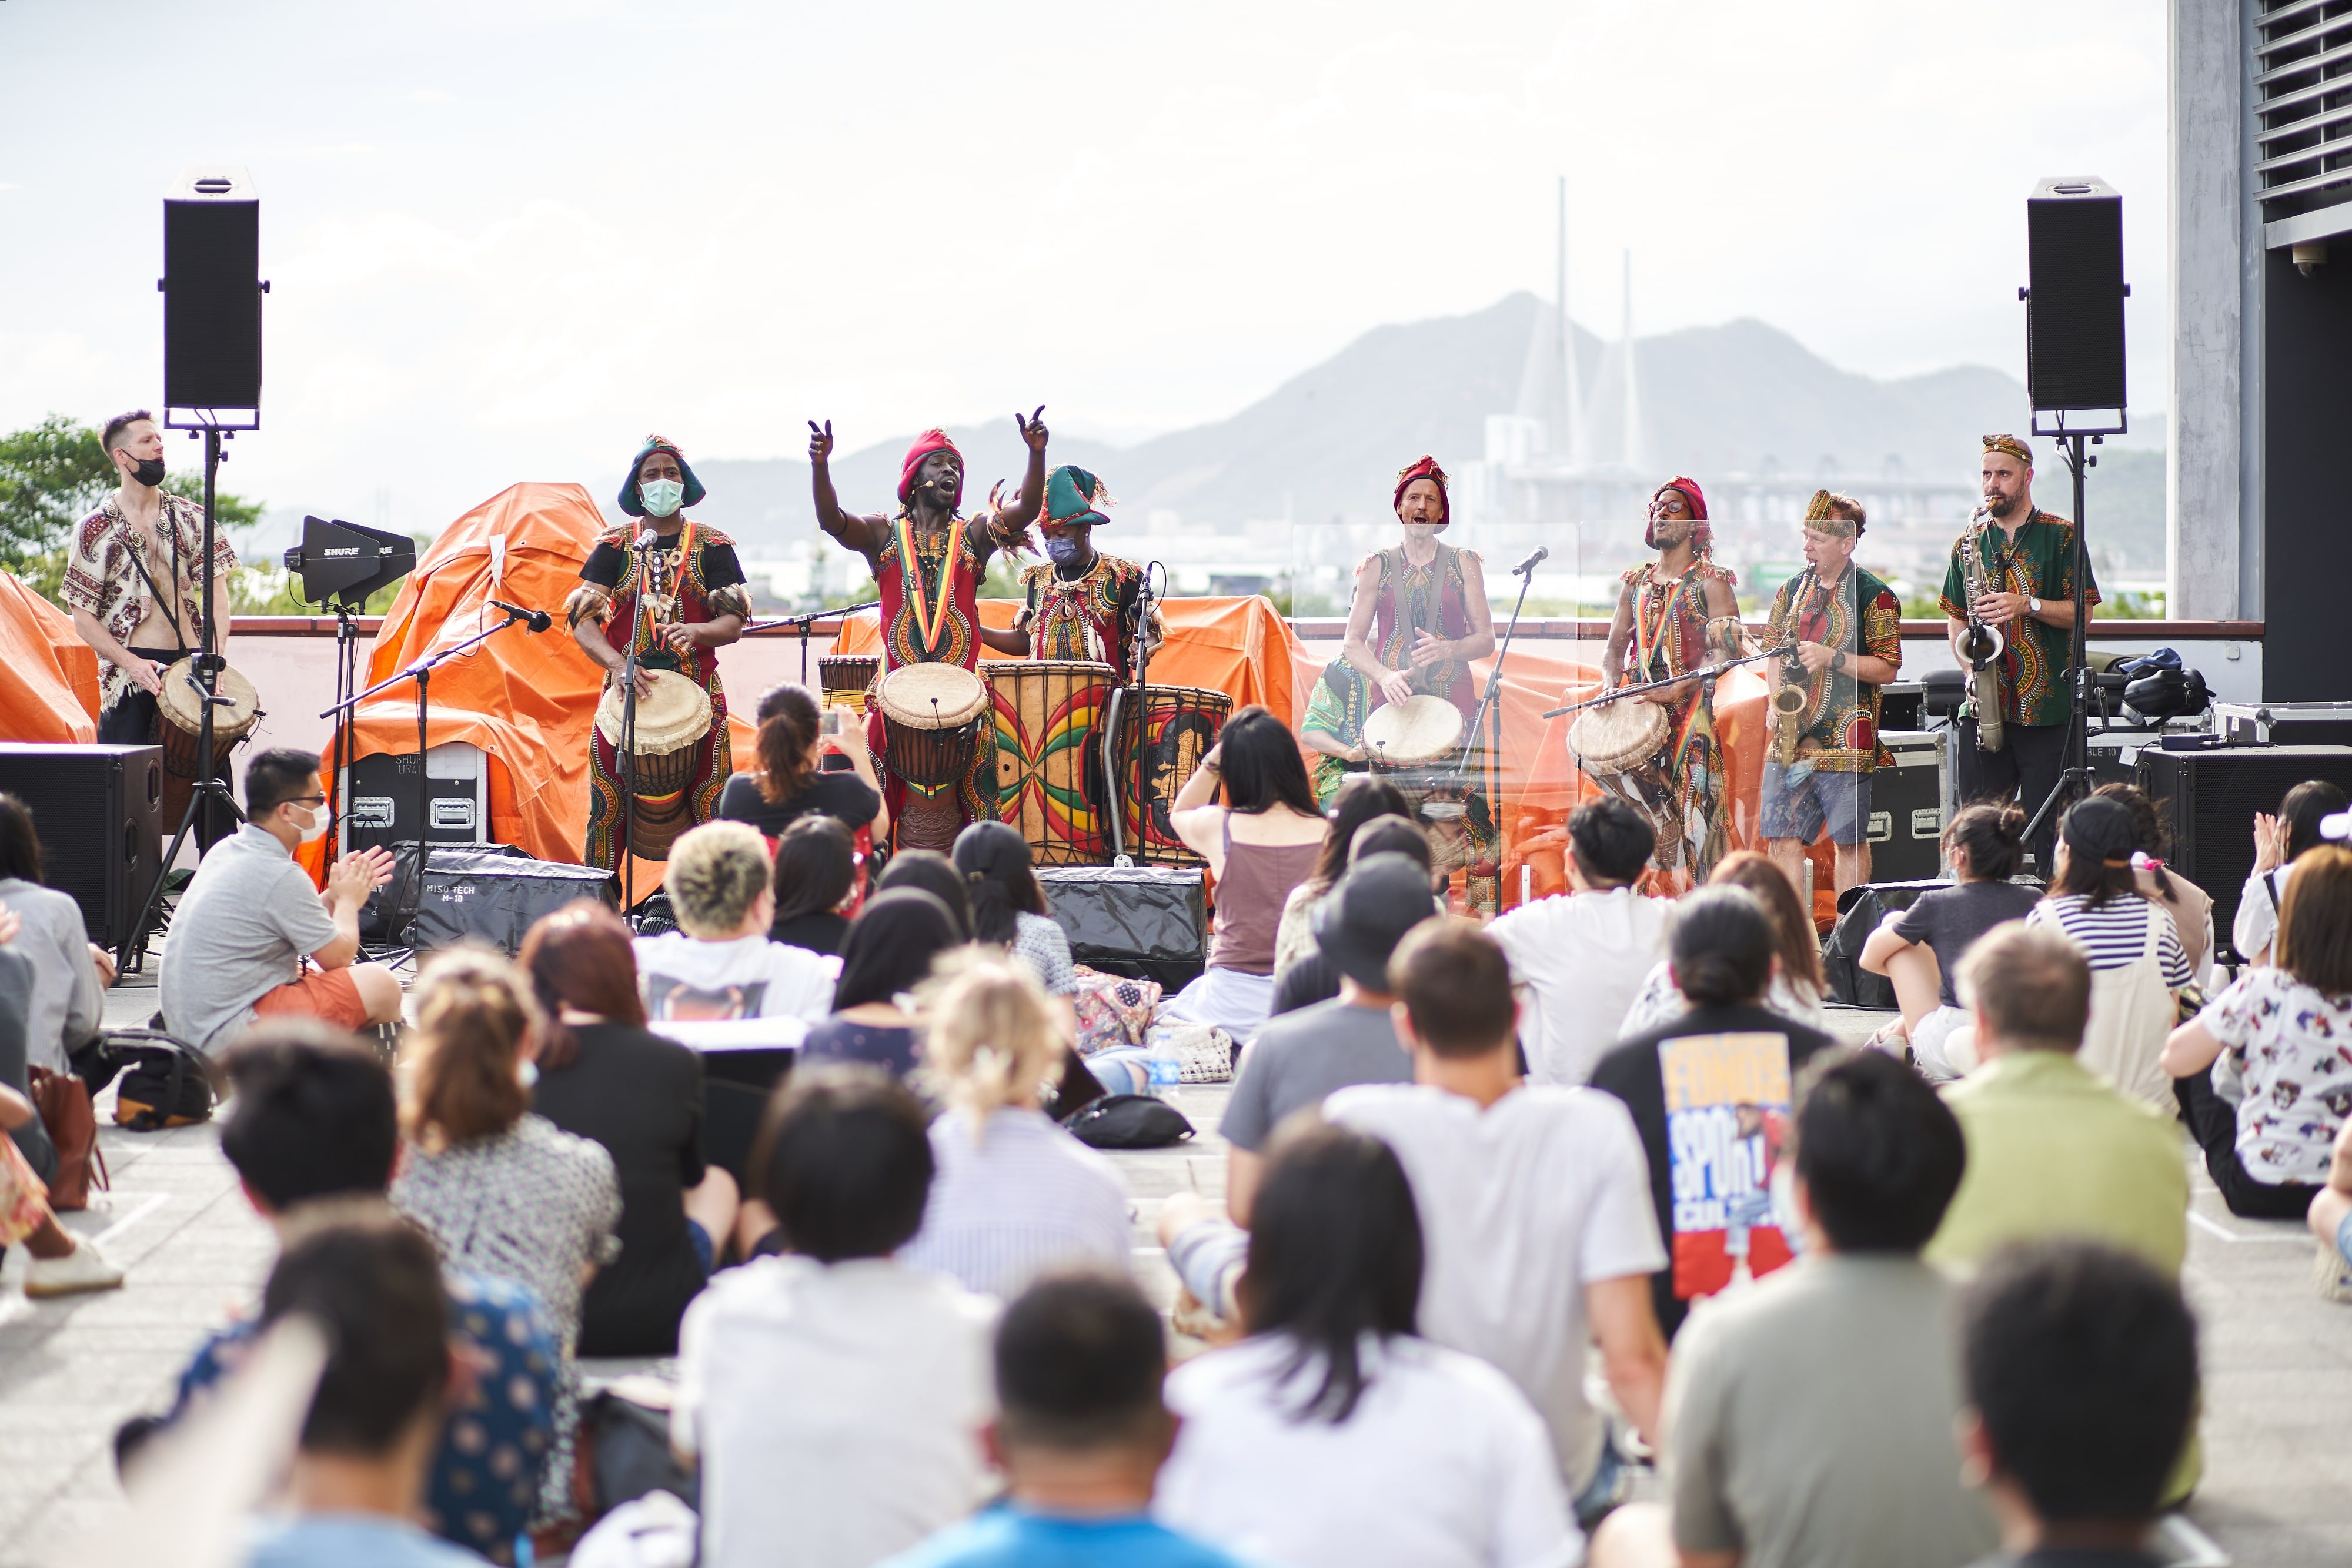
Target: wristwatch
{"points": [[2032, 605]]}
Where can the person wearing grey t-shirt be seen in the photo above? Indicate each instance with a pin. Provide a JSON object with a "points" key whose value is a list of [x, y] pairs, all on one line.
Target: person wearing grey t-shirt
{"points": [[1299, 1058], [70, 977], [236, 943]]}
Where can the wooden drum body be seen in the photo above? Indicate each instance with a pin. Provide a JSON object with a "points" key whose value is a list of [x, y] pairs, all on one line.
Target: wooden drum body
{"points": [[844, 679], [931, 723], [179, 707], [1048, 714], [1623, 744], [1173, 727], [673, 724]]}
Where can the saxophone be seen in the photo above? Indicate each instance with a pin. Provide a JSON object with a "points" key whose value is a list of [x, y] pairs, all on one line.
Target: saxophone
{"points": [[1792, 696], [1979, 644]]}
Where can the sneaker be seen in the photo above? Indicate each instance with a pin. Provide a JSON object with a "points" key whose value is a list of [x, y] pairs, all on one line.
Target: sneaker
{"points": [[2332, 1275], [83, 1269]]}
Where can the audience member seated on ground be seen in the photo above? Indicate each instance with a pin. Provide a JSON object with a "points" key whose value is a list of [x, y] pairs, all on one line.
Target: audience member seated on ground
{"points": [[1014, 1194], [1314, 977], [1335, 1434], [1797, 985], [1080, 1434], [1810, 1419], [1360, 799], [311, 1117], [2331, 1221], [1578, 957], [832, 1396], [792, 782], [2079, 1365], [500, 1189], [603, 1075], [928, 870], [2190, 907], [2279, 842], [2284, 1028], [1260, 844], [814, 885], [889, 953], [2138, 965], [70, 973], [20, 981], [1721, 954], [250, 917], [1918, 949], [1008, 907], [371, 1287], [62, 1263], [718, 963], [1298, 1060], [1533, 1206]]}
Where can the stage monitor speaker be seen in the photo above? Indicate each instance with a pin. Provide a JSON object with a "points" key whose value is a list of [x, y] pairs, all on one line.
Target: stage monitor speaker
{"points": [[212, 299], [2074, 303], [2209, 799], [1148, 922], [1905, 828], [98, 810]]}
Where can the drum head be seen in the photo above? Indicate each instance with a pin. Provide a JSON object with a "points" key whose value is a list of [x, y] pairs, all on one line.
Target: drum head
{"points": [[182, 701], [1419, 729], [1617, 737], [932, 696], [676, 712]]}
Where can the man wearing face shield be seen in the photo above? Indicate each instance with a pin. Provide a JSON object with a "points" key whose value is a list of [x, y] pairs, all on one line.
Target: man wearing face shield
{"points": [[1078, 603], [1677, 615], [691, 585], [928, 561]]}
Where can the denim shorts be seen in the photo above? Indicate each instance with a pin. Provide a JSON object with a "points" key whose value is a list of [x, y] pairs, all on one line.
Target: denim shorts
{"points": [[1840, 800], [705, 1252], [2343, 1240]]}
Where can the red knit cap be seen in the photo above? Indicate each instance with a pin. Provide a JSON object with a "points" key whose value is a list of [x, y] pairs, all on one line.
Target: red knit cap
{"points": [[931, 441]]}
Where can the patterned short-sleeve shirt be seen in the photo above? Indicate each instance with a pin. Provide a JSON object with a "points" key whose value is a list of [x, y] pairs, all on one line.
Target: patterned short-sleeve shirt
{"points": [[102, 574], [2292, 1046], [2038, 563], [1864, 619]]}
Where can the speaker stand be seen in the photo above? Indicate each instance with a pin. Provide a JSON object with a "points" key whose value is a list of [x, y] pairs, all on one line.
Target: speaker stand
{"points": [[2074, 782]]}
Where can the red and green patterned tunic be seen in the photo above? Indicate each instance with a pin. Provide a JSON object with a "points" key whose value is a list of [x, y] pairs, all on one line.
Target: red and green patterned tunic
{"points": [[1859, 616], [1436, 598], [2039, 562], [929, 590], [1670, 639]]}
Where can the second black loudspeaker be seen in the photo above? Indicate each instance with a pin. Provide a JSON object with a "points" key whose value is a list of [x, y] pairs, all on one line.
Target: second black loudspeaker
{"points": [[2074, 303], [212, 297]]}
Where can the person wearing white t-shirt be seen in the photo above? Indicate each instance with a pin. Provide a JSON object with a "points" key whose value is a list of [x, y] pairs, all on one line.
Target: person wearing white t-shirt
{"points": [[1580, 957], [719, 963], [1534, 1205], [2279, 842], [1335, 1434]]}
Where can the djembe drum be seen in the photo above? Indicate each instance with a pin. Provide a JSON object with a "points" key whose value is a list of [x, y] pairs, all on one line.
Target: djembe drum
{"points": [[181, 705], [673, 725], [931, 717], [1049, 755], [1174, 727], [846, 678], [1621, 745], [1413, 745]]}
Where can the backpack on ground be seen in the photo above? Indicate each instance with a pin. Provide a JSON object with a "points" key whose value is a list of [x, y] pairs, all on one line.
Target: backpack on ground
{"points": [[165, 1081]]}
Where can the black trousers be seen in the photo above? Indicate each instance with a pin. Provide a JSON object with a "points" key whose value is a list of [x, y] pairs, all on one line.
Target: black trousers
{"points": [[2025, 769], [135, 720], [2213, 1122]]}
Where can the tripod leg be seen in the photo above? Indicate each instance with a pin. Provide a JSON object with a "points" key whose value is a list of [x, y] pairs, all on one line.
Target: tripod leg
{"points": [[134, 941]]}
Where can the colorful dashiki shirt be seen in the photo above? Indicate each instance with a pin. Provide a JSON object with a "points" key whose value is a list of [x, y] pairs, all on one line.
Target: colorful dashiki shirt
{"points": [[1089, 617], [1670, 639], [1436, 598], [102, 576], [931, 614], [1841, 735], [692, 568], [2039, 563]]}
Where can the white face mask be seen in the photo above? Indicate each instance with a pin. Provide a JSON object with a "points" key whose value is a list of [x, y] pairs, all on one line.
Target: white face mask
{"points": [[661, 496], [526, 1074], [320, 821]]}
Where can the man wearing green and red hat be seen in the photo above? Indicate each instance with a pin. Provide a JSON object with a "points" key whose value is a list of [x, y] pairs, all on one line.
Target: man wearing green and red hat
{"points": [[1078, 602]]}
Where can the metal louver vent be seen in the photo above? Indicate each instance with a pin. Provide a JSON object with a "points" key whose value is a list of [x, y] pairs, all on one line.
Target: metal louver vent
{"points": [[2303, 73]]}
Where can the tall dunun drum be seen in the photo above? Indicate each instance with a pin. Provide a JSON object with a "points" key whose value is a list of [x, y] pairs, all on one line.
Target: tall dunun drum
{"points": [[844, 679], [931, 718], [1174, 727], [673, 723], [1048, 714]]}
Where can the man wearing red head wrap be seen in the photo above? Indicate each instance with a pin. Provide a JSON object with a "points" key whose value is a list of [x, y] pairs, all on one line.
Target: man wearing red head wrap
{"points": [[1677, 615], [928, 561]]}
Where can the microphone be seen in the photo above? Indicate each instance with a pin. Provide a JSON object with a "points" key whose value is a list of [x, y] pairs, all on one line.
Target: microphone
{"points": [[538, 620], [1543, 553]]}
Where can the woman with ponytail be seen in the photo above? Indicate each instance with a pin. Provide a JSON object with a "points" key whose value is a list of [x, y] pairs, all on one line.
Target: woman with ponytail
{"points": [[792, 780], [1008, 907], [1919, 949], [500, 1190], [2190, 907], [1014, 1194]]}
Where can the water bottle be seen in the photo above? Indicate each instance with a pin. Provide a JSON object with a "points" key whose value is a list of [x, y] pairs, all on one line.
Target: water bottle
{"points": [[1162, 1071]]}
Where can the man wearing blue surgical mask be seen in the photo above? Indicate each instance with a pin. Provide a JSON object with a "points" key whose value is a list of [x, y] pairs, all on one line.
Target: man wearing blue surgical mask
{"points": [[1078, 602]]}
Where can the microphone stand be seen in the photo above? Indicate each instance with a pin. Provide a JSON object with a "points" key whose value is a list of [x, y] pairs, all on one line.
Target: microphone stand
{"points": [[804, 623], [624, 860], [1140, 664], [420, 671], [1704, 672]]}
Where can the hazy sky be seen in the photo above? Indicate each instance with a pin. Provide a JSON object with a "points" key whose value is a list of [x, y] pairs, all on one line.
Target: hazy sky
{"points": [[508, 238]]}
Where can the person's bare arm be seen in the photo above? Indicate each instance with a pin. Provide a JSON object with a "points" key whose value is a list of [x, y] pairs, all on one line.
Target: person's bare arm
{"points": [[1882, 944], [2334, 1204], [1244, 1170], [146, 673], [1013, 521], [1476, 642], [1632, 1351], [1621, 633], [590, 634], [684, 637], [1013, 640], [1355, 647], [2190, 1049], [1196, 817], [866, 535]]}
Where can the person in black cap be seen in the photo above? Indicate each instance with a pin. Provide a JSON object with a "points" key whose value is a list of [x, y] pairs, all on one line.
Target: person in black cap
{"points": [[1300, 1057], [694, 604]]}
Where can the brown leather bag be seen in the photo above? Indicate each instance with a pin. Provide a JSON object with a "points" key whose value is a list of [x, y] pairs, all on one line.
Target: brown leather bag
{"points": [[63, 1101]]}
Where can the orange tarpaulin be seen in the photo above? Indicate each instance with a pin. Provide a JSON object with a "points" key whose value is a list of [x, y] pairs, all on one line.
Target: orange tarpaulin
{"points": [[48, 676]]}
